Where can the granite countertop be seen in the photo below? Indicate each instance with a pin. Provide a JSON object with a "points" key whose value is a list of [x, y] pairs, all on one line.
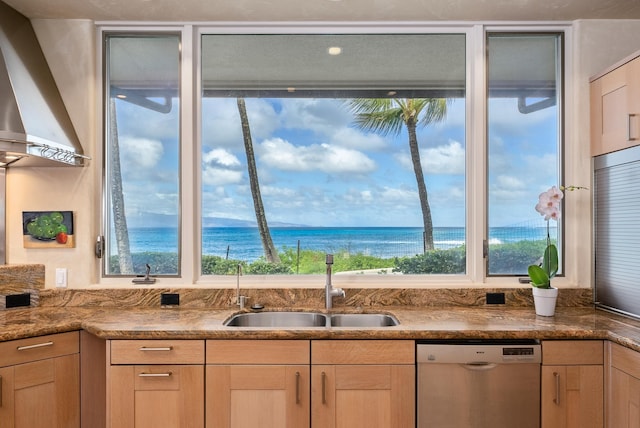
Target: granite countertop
{"points": [[415, 323]]}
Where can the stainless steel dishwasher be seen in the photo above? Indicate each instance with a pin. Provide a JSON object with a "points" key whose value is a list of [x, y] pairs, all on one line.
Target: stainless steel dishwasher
{"points": [[478, 384]]}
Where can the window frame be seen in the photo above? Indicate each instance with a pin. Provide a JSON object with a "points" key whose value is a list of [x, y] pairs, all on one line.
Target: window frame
{"points": [[476, 152]]}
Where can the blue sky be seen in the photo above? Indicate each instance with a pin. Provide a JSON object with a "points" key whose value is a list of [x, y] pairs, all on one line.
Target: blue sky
{"points": [[316, 168]]}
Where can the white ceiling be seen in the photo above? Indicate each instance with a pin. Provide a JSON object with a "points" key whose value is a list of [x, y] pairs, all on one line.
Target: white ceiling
{"points": [[328, 10]]}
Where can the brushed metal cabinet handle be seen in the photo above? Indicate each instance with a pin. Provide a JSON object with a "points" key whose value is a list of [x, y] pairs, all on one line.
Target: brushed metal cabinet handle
{"points": [[297, 387], [324, 387], [167, 374], [556, 400], [153, 349], [629, 137], [37, 345], [0, 391]]}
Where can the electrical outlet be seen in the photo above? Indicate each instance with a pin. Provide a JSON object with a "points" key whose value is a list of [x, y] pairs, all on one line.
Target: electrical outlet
{"points": [[169, 299], [495, 298], [61, 277]]}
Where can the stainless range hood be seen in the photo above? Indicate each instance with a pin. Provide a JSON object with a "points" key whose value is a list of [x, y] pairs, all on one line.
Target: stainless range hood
{"points": [[35, 128]]}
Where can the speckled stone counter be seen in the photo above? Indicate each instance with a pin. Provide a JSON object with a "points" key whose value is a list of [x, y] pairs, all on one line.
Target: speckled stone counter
{"points": [[415, 323]]}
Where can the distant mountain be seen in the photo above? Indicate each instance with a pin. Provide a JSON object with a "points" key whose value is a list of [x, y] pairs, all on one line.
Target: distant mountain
{"points": [[165, 220]]}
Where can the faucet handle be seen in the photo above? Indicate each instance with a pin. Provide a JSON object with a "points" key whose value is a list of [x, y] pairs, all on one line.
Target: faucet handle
{"points": [[242, 300]]}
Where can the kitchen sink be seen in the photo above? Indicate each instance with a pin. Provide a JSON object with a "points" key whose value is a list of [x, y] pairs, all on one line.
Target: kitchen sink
{"points": [[278, 319], [363, 320], [310, 319]]}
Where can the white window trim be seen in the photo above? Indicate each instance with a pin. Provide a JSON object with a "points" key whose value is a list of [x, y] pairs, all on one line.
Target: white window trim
{"points": [[476, 223]]}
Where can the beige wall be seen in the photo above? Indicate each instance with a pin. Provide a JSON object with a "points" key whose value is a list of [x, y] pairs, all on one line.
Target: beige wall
{"points": [[70, 47]]}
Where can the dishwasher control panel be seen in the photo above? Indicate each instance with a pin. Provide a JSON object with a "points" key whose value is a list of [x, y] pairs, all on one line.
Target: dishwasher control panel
{"points": [[474, 352]]}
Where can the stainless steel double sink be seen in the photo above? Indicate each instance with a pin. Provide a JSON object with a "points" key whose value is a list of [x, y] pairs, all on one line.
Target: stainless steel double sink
{"points": [[310, 319]]}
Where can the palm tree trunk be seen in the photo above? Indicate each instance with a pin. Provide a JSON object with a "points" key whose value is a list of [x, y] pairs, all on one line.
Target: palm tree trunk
{"points": [[270, 253], [117, 196], [422, 188]]}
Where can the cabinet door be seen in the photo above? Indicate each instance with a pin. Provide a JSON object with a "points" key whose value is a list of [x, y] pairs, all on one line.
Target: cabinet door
{"points": [[363, 396], [247, 396], [167, 396], [41, 394], [572, 396], [615, 109], [624, 405], [633, 110]]}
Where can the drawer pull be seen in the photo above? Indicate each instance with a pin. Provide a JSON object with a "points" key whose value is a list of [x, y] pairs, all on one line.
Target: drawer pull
{"points": [[324, 388], [152, 349], [37, 345], [557, 377], [155, 374], [629, 136]]}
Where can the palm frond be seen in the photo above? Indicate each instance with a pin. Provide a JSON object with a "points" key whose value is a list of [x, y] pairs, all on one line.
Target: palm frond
{"points": [[377, 115], [388, 115]]}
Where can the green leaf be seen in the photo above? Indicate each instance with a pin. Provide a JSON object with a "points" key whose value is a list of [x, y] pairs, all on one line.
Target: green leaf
{"points": [[550, 261], [539, 277]]}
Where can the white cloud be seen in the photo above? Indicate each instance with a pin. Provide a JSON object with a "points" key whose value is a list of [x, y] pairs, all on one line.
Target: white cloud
{"points": [[215, 176], [221, 157], [447, 159], [354, 139], [318, 114], [136, 153], [220, 167], [221, 121], [280, 154]]}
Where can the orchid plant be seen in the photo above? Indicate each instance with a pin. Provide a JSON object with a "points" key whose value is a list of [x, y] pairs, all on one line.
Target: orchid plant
{"points": [[548, 206]]}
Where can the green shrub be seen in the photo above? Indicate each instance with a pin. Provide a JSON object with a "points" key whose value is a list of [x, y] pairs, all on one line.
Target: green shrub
{"points": [[161, 263], [508, 259], [514, 258], [450, 261], [216, 265], [262, 267]]}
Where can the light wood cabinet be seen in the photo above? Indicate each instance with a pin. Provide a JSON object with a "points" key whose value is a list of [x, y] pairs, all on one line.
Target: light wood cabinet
{"points": [[155, 383], [572, 384], [257, 384], [40, 382], [615, 108], [322, 384], [363, 384], [623, 395]]}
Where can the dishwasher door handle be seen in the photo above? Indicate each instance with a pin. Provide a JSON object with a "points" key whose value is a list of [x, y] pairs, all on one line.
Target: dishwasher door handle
{"points": [[479, 366]]}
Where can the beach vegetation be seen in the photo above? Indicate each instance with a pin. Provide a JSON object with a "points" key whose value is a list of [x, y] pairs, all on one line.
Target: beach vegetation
{"points": [[510, 258]]}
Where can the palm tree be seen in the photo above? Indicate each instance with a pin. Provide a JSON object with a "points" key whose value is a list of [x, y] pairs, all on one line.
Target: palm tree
{"points": [[117, 196], [387, 116], [270, 253]]}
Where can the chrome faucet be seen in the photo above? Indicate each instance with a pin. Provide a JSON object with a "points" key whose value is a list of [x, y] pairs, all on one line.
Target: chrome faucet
{"points": [[329, 291], [240, 300]]}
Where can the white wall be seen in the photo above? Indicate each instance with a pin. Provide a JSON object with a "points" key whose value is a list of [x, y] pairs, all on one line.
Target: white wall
{"points": [[70, 48]]}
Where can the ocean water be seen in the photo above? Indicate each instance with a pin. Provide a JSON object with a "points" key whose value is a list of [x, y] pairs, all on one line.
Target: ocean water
{"points": [[243, 243]]}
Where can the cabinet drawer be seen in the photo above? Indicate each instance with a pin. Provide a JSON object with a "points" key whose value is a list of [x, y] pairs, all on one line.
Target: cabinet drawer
{"points": [[38, 348], [157, 352], [363, 352], [258, 352], [625, 359], [572, 352]]}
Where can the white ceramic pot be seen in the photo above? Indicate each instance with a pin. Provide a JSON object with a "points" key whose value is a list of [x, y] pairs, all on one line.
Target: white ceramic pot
{"points": [[544, 300]]}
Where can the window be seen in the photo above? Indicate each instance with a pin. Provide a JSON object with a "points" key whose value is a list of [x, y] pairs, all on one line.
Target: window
{"points": [[302, 149], [142, 128], [358, 145], [524, 135]]}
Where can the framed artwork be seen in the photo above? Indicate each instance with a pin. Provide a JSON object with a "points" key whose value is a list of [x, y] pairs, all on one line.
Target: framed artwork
{"points": [[47, 229]]}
